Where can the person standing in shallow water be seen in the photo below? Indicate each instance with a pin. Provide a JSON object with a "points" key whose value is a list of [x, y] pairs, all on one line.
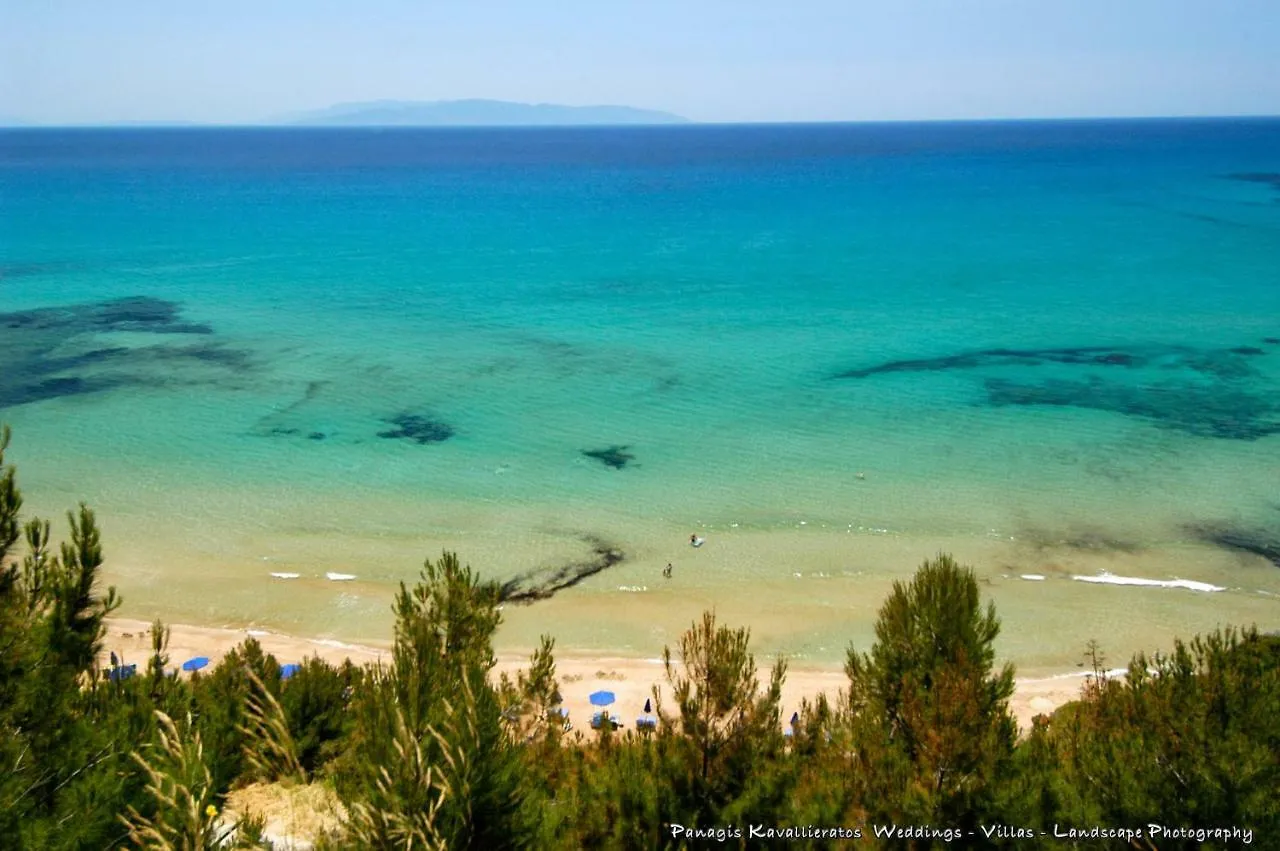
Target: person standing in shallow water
{"points": [[666, 571]]}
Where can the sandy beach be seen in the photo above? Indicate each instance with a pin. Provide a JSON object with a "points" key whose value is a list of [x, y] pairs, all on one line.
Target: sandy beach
{"points": [[630, 679]]}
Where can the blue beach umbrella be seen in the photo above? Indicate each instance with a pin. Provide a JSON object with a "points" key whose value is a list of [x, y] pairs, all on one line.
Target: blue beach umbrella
{"points": [[195, 664], [601, 698], [287, 671]]}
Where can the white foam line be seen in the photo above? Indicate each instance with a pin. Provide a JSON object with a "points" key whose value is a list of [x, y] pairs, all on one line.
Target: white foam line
{"points": [[340, 577], [1189, 584], [257, 632], [1032, 577], [1073, 675], [330, 642], [286, 575]]}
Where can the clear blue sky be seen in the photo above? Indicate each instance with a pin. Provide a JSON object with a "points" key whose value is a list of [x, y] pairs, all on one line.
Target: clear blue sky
{"points": [[84, 61]]}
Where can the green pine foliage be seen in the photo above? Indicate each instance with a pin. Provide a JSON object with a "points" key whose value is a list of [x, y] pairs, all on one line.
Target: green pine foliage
{"points": [[60, 765], [428, 732], [1188, 738], [725, 731], [316, 703], [931, 729], [221, 701]]}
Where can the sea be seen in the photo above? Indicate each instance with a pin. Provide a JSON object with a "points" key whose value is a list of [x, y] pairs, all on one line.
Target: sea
{"points": [[286, 365]]}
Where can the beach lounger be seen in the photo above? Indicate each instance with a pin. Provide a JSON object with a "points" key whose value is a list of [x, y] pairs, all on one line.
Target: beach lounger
{"points": [[121, 672], [600, 719]]}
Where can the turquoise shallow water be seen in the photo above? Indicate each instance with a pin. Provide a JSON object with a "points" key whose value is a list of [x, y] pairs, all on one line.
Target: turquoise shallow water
{"points": [[832, 350]]}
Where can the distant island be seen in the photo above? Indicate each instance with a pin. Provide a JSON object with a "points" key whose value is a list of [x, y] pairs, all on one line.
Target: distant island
{"points": [[477, 113]]}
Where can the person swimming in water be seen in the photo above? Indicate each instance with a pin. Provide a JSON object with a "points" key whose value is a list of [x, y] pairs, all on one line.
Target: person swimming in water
{"points": [[695, 541]]}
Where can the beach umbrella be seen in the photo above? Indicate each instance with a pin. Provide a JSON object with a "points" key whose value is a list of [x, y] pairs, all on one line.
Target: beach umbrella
{"points": [[601, 698], [648, 707], [195, 664], [287, 671]]}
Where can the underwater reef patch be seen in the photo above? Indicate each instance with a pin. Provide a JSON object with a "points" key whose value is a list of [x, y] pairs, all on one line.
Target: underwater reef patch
{"points": [[417, 429], [1080, 538], [1204, 411], [30, 270], [544, 583], [1225, 362], [291, 420], [1209, 392], [1250, 540], [985, 358], [1266, 178], [133, 313], [53, 352], [616, 457]]}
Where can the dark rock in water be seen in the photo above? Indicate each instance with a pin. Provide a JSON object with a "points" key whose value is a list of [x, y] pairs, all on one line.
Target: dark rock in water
{"points": [[616, 457], [541, 584], [24, 270], [52, 352], [210, 353], [137, 313], [1205, 411], [1220, 364], [1226, 363], [1116, 359], [1206, 392], [1080, 539], [39, 391], [418, 429], [986, 358], [1271, 341], [294, 418], [1253, 541], [1267, 178]]}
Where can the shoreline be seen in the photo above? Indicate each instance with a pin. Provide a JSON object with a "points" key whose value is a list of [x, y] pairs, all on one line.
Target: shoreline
{"points": [[630, 679]]}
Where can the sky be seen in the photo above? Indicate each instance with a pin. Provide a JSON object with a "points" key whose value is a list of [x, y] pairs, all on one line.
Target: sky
{"points": [[246, 61]]}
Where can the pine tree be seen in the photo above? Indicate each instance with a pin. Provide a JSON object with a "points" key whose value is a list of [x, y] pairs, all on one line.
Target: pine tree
{"points": [[1187, 738], [929, 712], [714, 751], [63, 744], [429, 734]]}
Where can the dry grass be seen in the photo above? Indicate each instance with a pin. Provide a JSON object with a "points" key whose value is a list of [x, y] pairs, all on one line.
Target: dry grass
{"points": [[296, 814]]}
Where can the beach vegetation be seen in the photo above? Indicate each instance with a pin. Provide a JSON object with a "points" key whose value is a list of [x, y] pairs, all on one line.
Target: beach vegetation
{"points": [[1188, 737], [931, 731], [429, 738]]}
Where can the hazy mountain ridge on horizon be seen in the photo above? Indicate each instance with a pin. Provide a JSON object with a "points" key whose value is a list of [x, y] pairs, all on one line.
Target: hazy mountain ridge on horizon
{"points": [[478, 112], [474, 112]]}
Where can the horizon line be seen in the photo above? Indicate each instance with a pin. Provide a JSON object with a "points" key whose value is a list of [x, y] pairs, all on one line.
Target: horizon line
{"points": [[163, 124]]}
